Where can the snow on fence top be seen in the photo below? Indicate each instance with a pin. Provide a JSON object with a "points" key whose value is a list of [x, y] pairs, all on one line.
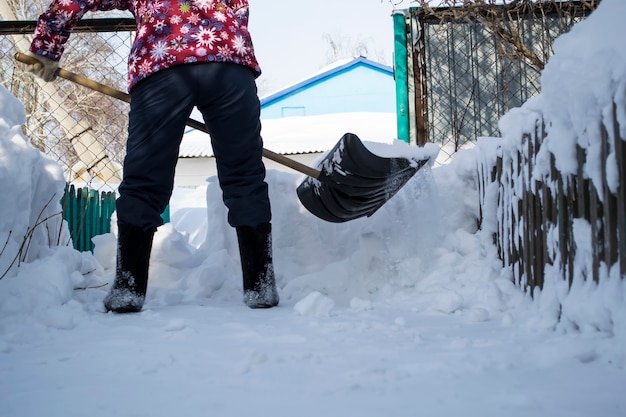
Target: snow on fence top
{"points": [[552, 187]]}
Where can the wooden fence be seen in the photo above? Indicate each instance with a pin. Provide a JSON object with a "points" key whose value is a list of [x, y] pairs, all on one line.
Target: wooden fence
{"points": [[537, 216], [88, 214]]}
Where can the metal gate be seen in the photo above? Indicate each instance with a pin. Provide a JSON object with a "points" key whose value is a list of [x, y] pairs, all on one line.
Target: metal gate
{"points": [[463, 68]]}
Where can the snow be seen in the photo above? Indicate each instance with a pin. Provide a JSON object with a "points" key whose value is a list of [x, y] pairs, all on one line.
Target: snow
{"points": [[408, 312]]}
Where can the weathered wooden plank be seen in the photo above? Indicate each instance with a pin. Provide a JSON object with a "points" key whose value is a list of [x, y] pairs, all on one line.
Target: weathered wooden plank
{"points": [[620, 156]]}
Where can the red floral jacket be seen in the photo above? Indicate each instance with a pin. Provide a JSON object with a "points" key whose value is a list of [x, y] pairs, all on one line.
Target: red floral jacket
{"points": [[169, 32]]}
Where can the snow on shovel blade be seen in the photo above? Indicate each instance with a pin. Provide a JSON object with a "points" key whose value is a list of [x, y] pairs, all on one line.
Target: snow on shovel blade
{"points": [[354, 182]]}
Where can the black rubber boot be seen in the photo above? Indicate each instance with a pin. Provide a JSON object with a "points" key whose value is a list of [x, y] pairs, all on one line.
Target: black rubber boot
{"points": [[255, 249], [128, 292]]}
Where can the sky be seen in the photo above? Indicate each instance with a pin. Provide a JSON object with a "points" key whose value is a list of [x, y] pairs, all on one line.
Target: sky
{"points": [[406, 313], [289, 36]]}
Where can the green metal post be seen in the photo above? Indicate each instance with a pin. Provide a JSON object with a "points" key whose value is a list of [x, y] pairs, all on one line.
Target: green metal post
{"points": [[401, 74]]}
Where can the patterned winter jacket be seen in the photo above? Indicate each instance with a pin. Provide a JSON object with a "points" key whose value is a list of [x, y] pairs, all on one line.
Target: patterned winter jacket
{"points": [[169, 32]]}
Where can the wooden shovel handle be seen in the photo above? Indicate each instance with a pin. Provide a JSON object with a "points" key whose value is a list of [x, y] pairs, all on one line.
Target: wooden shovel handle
{"points": [[112, 92]]}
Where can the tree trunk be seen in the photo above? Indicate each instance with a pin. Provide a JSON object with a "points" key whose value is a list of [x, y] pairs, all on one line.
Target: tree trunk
{"points": [[90, 152]]}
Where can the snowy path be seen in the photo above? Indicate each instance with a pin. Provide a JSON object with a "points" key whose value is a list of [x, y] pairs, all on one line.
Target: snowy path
{"points": [[228, 360]]}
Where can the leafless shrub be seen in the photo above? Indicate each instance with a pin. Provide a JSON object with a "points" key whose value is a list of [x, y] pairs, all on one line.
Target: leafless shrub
{"points": [[502, 17], [22, 252]]}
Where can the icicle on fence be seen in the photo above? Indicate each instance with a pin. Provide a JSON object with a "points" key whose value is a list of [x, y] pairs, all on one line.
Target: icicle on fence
{"points": [[537, 217]]}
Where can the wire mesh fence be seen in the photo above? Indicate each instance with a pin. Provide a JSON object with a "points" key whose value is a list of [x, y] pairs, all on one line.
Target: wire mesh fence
{"points": [[83, 130], [472, 65]]}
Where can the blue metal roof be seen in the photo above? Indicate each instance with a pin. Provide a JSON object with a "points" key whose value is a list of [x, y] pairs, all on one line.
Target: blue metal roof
{"points": [[324, 75]]}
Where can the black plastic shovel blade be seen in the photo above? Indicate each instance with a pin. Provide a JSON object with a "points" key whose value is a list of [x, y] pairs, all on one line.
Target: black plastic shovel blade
{"points": [[354, 182]]}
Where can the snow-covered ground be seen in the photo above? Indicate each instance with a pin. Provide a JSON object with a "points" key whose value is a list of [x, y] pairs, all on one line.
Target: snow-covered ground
{"points": [[406, 313]]}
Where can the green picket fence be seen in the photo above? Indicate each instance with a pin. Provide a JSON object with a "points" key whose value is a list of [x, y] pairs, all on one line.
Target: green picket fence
{"points": [[88, 214]]}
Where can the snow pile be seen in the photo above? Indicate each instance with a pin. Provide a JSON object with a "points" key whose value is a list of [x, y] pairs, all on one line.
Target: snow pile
{"points": [[38, 271], [31, 189], [413, 247], [578, 94]]}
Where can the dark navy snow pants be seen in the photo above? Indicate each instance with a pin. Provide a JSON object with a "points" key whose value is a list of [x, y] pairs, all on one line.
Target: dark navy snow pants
{"points": [[226, 95]]}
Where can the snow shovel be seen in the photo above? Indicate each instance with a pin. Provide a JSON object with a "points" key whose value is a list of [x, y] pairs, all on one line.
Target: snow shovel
{"points": [[350, 181]]}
